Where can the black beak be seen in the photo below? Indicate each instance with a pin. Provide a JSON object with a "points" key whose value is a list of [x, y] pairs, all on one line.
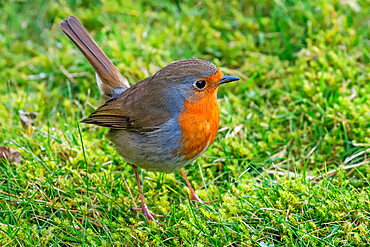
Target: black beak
{"points": [[227, 78]]}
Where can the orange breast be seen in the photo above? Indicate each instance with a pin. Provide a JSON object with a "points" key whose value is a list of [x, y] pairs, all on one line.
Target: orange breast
{"points": [[199, 123]]}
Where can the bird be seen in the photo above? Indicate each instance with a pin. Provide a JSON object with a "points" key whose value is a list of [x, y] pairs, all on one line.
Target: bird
{"points": [[163, 122]]}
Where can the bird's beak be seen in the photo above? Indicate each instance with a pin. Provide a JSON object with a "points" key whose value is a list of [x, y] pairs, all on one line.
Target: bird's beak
{"points": [[226, 79]]}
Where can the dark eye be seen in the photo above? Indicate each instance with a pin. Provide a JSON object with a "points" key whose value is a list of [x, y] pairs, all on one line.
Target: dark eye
{"points": [[200, 84]]}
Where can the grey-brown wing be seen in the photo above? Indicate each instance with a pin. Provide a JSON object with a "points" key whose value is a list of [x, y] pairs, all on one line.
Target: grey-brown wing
{"points": [[139, 109]]}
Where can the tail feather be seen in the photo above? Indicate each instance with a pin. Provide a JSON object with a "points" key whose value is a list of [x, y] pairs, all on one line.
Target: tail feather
{"points": [[111, 82]]}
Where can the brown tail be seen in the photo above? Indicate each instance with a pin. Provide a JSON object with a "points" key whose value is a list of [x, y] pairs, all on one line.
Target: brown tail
{"points": [[111, 82]]}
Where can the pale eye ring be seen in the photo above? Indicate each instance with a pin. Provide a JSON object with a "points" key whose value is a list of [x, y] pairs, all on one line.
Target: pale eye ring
{"points": [[201, 84]]}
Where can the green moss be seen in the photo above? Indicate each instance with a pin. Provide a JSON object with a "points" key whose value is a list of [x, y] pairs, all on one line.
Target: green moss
{"points": [[304, 112]]}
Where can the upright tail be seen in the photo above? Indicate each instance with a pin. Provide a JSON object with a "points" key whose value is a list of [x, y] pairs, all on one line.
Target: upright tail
{"points": [[110, 81]]}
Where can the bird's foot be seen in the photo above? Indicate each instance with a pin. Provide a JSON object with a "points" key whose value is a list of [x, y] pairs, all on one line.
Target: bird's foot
{"points": [[195, 198], [149, 216]]}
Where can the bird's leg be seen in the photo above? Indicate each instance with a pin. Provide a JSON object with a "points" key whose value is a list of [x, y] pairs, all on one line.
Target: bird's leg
{"points": [[194, 196], [149, 216]]}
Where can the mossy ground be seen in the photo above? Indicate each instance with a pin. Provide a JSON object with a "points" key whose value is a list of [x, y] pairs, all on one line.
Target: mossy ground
{"points": [[289, 167]]}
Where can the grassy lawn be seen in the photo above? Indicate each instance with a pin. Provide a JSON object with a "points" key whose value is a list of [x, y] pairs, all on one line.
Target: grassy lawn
{"points": [[290, 164]]}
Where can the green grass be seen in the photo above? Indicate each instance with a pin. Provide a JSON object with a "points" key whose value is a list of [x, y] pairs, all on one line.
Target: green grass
{"points": [[289, 167]]}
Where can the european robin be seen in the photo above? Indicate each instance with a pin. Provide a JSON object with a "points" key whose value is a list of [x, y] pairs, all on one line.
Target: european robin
{"points": [[161, 123]]}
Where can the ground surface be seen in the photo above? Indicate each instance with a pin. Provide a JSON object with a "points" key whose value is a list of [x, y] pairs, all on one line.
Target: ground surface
{"points": [[290, 164]]}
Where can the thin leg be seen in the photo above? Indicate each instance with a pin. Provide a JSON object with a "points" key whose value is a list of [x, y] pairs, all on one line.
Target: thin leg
{"points": [[149, 216], [194, 196]]}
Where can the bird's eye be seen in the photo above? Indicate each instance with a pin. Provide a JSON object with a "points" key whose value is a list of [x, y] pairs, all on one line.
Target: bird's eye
{"points": [[200, 84]]}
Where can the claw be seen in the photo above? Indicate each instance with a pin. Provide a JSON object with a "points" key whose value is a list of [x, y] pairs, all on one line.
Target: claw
{"points": [[149, 216], [152, 214], [194, 197]]}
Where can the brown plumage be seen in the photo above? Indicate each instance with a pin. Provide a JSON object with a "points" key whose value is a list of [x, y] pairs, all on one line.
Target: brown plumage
{"points": [[134, 110]]}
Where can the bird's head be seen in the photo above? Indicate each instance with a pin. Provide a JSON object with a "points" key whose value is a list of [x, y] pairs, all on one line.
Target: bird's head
{"points": [[192, 79]]}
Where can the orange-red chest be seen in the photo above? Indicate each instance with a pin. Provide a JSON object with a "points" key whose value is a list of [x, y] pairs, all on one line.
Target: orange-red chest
{"points": [[199, 123]]}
